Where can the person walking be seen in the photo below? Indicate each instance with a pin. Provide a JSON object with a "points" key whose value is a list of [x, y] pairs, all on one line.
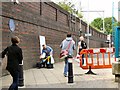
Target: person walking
{"points": [[81, 45], [64, 45], [14, 58]]}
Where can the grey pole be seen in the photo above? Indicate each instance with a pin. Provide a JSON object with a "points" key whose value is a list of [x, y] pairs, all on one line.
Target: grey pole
{"points": [[88, 27]]}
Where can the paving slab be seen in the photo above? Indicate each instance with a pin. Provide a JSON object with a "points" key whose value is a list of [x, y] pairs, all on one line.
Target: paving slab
{"points": [[53, 78]]}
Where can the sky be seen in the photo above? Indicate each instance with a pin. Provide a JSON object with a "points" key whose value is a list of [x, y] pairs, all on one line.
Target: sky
{"points": [[96, 5]]}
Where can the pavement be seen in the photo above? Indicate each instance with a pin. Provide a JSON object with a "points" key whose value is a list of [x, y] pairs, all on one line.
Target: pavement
{"points": [[54, 78]]}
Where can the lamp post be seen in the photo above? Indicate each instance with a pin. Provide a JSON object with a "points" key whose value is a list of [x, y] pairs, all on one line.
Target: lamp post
{"points": [[80, 32], [88, 33], [103, 22], [88, 26]]}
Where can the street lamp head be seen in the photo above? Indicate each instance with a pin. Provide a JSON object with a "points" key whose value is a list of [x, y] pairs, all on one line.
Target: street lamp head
{"points": [[80, 29]]}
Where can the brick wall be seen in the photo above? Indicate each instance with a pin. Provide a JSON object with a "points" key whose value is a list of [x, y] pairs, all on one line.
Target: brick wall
{"points": [[41, 18]]}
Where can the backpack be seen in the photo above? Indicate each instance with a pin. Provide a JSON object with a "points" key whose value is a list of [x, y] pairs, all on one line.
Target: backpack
{"points": [[83, 45]]}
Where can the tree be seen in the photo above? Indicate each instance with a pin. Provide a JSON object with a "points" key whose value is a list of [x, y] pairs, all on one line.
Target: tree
{"points": [[98, 23], [108, 24], [68, 6], [118, 23]]}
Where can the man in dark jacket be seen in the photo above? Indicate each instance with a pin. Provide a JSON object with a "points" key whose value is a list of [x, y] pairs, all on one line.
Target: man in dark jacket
{"points": [[14, 58]]}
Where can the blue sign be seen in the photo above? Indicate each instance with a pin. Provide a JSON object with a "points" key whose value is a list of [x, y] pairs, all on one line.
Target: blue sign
{"points": [[117, 42], [12, 25]]}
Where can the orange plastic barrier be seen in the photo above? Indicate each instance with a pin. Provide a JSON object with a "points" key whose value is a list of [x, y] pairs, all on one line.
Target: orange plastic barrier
{"points": [[97, 58]]}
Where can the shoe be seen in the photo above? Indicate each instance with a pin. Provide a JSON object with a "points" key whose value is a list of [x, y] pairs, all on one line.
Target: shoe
{"points": [[43, 66], [65, 75]]}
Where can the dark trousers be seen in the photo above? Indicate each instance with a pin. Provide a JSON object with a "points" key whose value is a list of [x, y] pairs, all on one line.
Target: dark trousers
{"points": [[66, 66], [82, 59], [15, 76], [44, 64], [82, 56]]}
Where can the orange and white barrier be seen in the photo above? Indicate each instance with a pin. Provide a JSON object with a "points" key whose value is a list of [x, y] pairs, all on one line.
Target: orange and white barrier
{"points": [[97, 58]]}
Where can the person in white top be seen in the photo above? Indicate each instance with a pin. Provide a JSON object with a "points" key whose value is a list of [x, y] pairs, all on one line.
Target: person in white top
{"points": [[81, 45]]}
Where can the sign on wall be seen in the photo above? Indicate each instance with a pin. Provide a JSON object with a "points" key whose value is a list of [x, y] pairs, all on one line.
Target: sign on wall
{"points": [[42, 41], [11, 25]]}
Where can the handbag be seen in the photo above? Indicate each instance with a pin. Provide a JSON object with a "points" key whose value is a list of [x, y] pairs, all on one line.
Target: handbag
{"points": [[52, 60], [64, 53]]}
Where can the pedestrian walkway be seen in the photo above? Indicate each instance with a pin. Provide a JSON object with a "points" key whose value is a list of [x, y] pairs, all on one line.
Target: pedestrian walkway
{"points": [[54, 78]]}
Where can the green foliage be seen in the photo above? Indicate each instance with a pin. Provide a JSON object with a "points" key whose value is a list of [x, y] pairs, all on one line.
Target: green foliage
{"points": [[79, 15], [68, 6], [108, 25], [98, 23], [118, 24]]}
